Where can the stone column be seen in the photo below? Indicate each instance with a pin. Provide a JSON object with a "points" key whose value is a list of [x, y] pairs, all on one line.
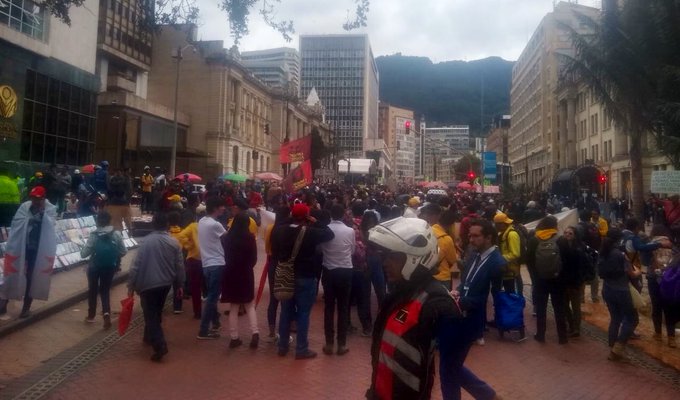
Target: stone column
{"points": [[571, 130]]}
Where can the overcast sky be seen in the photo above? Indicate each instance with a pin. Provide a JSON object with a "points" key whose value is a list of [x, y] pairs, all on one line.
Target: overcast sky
{"points": [[442, 30]]}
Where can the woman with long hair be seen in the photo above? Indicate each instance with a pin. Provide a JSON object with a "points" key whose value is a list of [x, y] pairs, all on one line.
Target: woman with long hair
{"points": [[616, 271], [238, 286]]}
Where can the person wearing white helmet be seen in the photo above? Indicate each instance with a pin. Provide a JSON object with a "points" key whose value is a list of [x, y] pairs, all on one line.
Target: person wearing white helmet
{"points": [[417, 312]]}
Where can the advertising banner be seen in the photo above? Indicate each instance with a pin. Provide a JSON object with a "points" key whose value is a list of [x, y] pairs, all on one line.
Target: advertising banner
{"points": [[299, 177], [296, 150], [665, 182], [489, 165]]}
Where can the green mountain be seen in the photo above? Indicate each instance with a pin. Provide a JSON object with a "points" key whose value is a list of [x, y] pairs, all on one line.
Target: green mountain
{"points": [[447, 93]]}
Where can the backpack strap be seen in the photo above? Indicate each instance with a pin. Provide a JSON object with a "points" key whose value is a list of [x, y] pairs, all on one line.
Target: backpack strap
{"points": [[298, 243]]}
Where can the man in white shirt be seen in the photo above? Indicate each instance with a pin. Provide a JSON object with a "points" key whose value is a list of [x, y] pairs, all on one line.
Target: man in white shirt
{"points": [[337, 279], [210, 232]]}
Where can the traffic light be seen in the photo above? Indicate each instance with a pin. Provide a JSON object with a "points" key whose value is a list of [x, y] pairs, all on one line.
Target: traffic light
{"points": [[407, 126], [471, 176], [266, 129], [603, 179]]}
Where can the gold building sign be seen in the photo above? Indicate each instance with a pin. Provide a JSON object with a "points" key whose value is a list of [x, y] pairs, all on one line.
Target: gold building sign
{"points": [[8, 107]]}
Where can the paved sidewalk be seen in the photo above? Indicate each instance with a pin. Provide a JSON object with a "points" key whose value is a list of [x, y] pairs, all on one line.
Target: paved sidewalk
{"points": [[67, 288]]}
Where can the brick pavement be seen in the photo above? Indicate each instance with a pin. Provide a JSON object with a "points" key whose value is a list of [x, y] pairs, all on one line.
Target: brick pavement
{"points": [[200, 369], [208, 369]]}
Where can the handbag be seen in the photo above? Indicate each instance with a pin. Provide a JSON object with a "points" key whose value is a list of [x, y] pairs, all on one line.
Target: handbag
{"points": [[284, 275], [638, 302]]}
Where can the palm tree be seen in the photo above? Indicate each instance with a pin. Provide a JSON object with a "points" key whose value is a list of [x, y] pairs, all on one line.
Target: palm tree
{"points": [[622, 61]]}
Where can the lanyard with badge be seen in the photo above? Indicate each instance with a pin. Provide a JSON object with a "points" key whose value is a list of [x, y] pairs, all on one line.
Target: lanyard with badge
{"points": [[471, 276]]}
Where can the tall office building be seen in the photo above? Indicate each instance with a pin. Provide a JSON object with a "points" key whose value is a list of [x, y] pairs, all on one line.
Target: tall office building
{"points": [[278, 68], [48, 87], [343, 71], [533, 140], [440, 148]]}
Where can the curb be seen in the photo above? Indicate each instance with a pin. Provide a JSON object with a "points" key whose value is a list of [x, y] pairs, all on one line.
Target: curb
{"points": [[54, 308]]}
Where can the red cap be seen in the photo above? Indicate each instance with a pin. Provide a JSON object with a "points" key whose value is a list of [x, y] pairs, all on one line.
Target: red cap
{"points": [[37, 192], [300, 211]]}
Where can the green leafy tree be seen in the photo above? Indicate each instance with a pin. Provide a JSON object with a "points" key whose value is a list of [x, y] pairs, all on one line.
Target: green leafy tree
{"points": [[630, 61], [238, 12], [466, 164]]}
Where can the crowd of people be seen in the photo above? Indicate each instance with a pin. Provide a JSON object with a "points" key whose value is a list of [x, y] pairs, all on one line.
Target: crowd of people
{"points": [[431, 261]]}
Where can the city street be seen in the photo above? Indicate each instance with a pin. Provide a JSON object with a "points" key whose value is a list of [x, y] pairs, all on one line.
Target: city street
{"points": [[61, 357]]}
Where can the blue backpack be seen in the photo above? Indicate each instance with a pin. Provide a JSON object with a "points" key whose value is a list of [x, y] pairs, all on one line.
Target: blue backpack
{"points": [[105, 255]]}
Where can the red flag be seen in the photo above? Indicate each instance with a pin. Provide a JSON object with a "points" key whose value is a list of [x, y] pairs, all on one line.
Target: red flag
{"points": [[299, 177], [296, 150]]}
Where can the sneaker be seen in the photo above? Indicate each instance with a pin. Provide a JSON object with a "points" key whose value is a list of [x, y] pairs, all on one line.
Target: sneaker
{"points": [[305, 356], [366, 333], [282, 352], [177, 311], [539, 339], [255, 341], [107, 321], [234, 343], [90, 320], [271, 338], [480, 342], [208, 336], [328, 349], [342, 350], [635, 336]]}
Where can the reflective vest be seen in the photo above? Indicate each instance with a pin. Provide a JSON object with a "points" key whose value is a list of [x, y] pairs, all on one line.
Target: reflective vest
{"points": [[403, 370]]}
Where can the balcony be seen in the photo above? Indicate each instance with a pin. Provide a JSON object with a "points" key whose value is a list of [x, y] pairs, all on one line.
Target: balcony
{"points": [[119, 83]]}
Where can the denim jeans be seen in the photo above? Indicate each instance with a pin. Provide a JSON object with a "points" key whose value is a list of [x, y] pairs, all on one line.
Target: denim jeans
{"points": [[624, 317], [273, 302], [337, 285], [99, 284], [298, 308], [213, 280], [361, 294], [377, 277]]}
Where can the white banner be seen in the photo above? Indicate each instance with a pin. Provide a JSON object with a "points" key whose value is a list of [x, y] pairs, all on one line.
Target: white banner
{"points": [[665, 182]]}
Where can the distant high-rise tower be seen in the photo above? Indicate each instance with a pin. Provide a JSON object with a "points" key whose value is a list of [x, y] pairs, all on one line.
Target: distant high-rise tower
{"points": [[343, 71], [278, 68]]}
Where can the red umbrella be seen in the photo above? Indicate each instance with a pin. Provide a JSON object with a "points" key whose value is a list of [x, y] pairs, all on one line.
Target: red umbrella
{"points": [[192, 177], [87, 169], [464, 185], [268, 176], [435, 184]]}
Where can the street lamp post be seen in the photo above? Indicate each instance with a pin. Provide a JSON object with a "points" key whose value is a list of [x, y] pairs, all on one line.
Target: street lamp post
{"points": [[173, 154]]}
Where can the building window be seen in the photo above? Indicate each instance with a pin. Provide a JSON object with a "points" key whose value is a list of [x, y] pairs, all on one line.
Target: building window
{"points": [[24, 16], [59, 121], [234, 159]]}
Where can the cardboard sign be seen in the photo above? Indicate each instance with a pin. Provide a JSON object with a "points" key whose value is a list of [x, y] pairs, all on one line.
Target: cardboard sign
{"points": [[665, 182]]}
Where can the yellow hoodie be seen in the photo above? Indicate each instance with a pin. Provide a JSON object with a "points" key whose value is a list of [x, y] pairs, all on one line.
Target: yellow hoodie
{"points": [[188, 239], [545, 234]]}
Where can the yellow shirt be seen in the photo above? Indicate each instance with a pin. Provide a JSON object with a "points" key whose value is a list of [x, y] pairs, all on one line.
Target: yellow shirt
{"points": [[147, 183], [188, 238], [510, 249], [252, 227], [602, 227], [268, 239], [447, 254]]}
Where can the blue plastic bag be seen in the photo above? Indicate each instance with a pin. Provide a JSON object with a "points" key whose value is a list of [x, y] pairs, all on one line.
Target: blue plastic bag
{"points": [[509, 310]]}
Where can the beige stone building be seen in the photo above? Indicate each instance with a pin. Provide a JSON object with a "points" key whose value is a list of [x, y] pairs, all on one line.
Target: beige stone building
{"points": [[561, 138], [229, 108], [533, 151], [400, 147]]}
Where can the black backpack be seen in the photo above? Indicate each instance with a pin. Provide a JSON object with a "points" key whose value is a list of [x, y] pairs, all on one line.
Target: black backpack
{"points": [[548, 259], [590, 235], [607, 268]]}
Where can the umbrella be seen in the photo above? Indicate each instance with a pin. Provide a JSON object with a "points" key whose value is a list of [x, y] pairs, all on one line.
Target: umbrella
{"points": [[464, 185], [268, 176], [87, 169], [192, 177], [435, 184], [234, 178]]}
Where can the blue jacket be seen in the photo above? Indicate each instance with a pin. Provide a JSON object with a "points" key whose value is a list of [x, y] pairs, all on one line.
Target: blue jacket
{"points": [[473, 300]]}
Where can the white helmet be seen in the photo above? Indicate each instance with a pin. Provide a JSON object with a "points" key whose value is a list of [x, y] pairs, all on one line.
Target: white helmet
{"points": [[411, 236]]}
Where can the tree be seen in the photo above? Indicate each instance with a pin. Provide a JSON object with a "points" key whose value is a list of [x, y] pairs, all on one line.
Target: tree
{"points": [[238, 11], [466, 164], [627, 60]]}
